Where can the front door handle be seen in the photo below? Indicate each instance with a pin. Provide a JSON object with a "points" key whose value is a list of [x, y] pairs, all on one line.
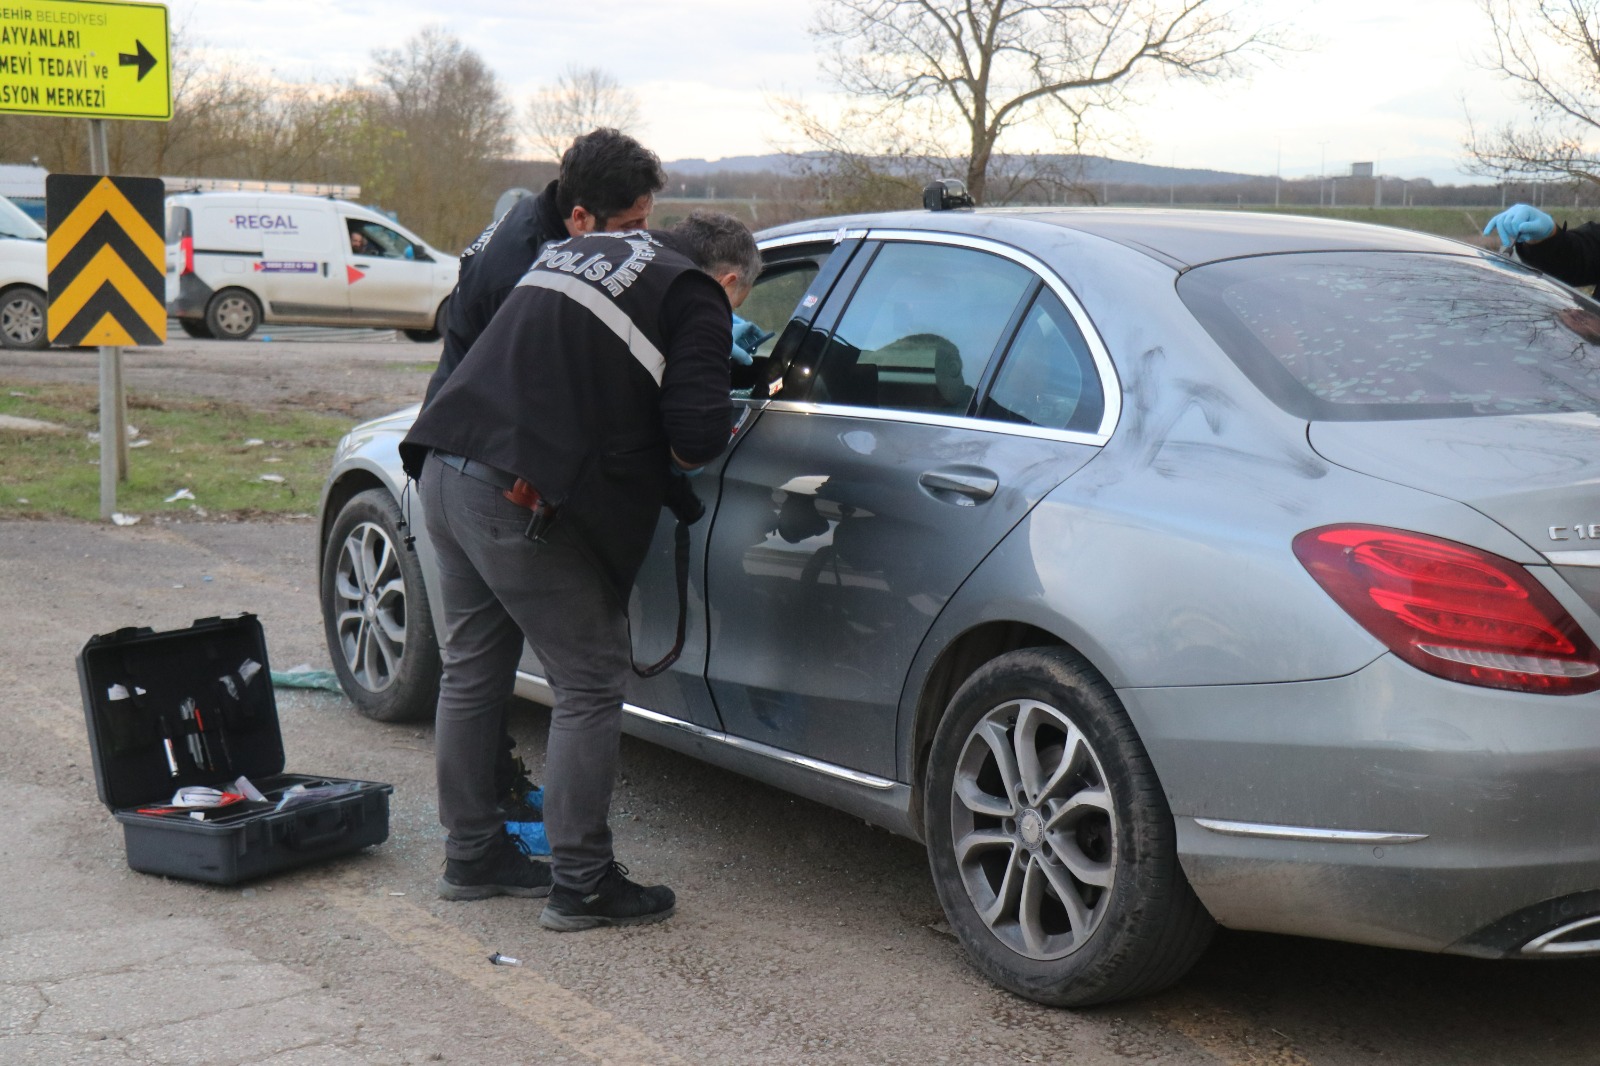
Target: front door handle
{"points": [[964, 486]]}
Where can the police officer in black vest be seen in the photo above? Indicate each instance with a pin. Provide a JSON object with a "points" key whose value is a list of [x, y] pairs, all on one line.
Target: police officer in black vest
{"points": [[608, 181], [548, 455]]}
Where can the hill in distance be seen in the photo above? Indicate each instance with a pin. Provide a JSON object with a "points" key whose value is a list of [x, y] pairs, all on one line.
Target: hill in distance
{"points": [[1095, 169]]}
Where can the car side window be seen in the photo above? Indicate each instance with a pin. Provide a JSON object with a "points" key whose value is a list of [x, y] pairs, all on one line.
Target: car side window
{"points": [[920, 328], [1048, 377], [371, 239], [775, 296]]}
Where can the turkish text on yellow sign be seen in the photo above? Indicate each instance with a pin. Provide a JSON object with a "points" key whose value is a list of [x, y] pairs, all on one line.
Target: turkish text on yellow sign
{"points": [[107, 260], [85, 58]]}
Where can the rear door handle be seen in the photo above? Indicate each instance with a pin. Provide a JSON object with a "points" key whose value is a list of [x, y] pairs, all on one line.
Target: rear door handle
{"points": [[964, 486]]}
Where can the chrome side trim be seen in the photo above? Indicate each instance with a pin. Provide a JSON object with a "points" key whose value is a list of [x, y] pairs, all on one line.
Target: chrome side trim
{"points": [[1302, 832], [922, 418], [1546, 944], [530, 684], [1574, 558], [805, 762], [831, 237], [1109, 383]]}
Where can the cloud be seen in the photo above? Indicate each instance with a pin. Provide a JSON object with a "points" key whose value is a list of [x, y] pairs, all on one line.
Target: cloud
{"points": [[1385, 78]]}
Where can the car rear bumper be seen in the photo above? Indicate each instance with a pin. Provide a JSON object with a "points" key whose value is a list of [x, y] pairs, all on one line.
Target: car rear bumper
{"points": [[1386, 807], [190, 299]]}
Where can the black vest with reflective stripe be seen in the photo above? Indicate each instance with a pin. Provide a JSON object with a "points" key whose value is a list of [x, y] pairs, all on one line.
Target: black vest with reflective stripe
{"points": [[562, 387]]}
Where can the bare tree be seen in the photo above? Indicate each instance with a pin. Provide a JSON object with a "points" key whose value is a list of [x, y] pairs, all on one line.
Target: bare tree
{"points": [[424, 134], [984, 68], [432, 129], [582, 99], [1550, 50], [227, 121]]}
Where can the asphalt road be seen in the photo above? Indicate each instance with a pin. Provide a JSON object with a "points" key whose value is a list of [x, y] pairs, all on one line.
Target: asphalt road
{"points": [[802, 935]]}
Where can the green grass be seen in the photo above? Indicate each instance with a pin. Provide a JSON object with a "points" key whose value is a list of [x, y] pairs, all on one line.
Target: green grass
{"points": [[427, 368], [195, 444]]}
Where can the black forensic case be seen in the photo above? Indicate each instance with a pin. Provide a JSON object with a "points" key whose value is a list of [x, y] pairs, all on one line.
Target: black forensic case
{"points": [[135, 683]]}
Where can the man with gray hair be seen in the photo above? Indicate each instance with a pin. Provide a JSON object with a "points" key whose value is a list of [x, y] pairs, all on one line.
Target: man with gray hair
{"points": [[542, 464]]}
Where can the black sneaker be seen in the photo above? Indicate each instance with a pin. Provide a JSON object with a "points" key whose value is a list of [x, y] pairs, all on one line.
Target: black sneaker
{"points": [[614, 901], [504, 870]]}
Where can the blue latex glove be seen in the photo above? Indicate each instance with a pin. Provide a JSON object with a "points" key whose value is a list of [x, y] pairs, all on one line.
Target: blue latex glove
{"points": [[1520, 222], [747, 337]]}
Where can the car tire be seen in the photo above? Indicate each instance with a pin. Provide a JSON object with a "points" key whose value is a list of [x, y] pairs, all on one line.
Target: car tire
{"points": [[375, 613], [424, 336], [195, 328], [22, 321], [233, 314], [1052, 847]]}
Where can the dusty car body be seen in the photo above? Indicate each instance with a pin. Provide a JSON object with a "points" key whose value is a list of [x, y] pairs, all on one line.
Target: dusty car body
{"points": [[1156, 568]]}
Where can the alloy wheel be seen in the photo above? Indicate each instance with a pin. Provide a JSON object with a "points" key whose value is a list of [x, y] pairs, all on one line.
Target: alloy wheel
{"points": [[1034, 829], [370, 592]]}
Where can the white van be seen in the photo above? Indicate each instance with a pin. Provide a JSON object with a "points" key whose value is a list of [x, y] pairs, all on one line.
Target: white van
{"points": [[236, 260], [23, 281]]}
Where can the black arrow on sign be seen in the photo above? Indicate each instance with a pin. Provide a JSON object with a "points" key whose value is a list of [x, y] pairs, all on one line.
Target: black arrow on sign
{"points": [[141, 59]]}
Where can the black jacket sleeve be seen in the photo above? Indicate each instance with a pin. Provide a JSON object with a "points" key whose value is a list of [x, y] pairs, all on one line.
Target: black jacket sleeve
{"points": [[464, 325], [1572, 256], [698, 327]]}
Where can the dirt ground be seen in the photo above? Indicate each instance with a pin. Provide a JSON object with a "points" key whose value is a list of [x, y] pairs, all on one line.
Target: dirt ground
{"points": [[802, 934]]}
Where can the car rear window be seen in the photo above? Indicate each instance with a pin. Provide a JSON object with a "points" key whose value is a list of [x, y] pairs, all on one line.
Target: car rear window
{"points": [[1362, 336], [179, 225]]}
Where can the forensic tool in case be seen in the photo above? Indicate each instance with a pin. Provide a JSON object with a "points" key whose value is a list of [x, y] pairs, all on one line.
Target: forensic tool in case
{"points": [[183, 730]]}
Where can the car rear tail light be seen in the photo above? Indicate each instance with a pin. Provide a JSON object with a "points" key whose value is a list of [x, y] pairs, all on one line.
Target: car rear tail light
{"points": [[187, 247], [1453, 611]]}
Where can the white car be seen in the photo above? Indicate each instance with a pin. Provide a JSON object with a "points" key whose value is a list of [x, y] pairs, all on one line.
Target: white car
{"points": [[23, 279], [238, 260]]}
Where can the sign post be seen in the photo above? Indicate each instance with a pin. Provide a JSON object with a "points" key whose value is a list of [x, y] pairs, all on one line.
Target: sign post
{"points": [[107, 281], [111, 392], [99, 60]]}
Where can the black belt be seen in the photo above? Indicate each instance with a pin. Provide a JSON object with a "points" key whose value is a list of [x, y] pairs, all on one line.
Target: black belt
{"points": [[489, 475]]}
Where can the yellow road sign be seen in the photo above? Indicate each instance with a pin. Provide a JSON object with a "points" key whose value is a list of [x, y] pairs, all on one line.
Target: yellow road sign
{"points": [[88, 58], [107, 260]]}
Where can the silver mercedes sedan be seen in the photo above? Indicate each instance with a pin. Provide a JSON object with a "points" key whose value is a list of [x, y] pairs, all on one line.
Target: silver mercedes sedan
{"points": [[1157, 569]]}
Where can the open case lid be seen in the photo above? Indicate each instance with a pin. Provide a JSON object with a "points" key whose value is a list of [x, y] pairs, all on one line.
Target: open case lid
{"points": [[206, 689]]}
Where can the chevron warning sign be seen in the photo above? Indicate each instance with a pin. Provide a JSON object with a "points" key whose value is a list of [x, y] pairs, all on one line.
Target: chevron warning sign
{"points": [[107, 260]]}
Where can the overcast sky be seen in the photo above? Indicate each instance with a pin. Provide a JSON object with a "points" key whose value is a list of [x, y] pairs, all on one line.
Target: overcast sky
{"points": [[1384, 80]]}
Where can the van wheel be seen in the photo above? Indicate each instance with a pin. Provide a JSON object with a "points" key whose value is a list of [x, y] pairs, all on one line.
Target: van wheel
{"points": [[22, 318], [195, 328], [423, 336], [233, 314]]}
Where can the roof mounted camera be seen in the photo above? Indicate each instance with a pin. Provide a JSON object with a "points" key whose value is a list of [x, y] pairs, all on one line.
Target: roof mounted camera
{"points": [[946, 194]]}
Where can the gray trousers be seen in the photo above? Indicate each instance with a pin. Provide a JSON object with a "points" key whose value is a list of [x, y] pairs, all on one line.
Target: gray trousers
{"points": [[497, 589]]}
